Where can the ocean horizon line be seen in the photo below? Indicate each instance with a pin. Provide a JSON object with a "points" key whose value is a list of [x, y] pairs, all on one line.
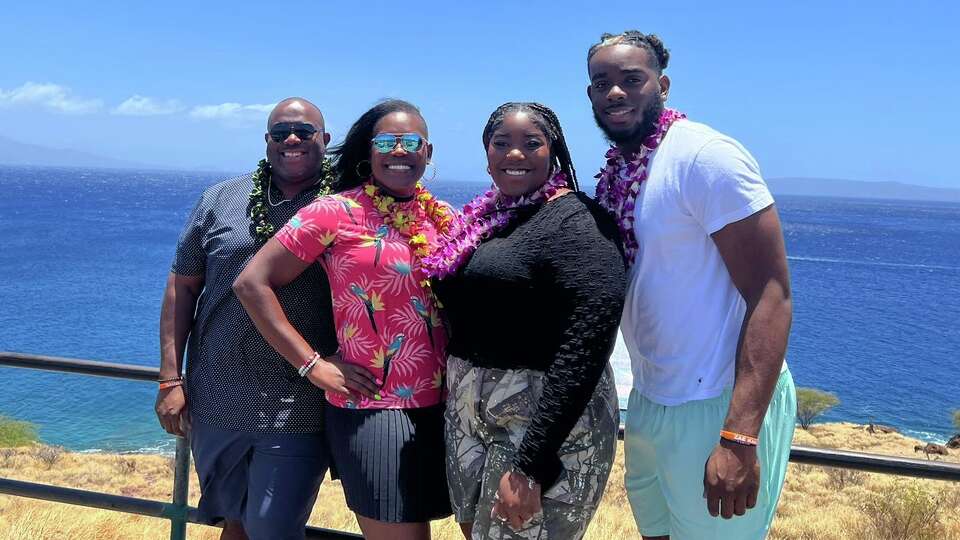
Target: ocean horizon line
{"points": [[588, 180]]}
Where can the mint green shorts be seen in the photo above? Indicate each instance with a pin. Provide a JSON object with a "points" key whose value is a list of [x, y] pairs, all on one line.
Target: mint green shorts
{"points": [[666, 450]]}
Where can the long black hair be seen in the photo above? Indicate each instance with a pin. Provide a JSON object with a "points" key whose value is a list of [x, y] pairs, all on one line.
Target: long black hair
{"points": [[350, 155], [549, 124]]}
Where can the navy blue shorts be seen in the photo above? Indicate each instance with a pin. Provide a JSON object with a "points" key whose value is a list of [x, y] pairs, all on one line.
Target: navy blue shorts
{"points": [[391, 462], [266, 481]]}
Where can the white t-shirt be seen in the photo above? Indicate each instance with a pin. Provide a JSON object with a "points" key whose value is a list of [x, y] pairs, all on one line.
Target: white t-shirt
{"points": [[683, 314]]}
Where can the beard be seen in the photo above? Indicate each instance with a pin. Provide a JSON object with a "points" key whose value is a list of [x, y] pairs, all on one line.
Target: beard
{"points": [[646, 127]]}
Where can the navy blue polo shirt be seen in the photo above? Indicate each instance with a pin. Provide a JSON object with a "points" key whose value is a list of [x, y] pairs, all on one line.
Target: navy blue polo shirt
{"points": [[235, 380]]}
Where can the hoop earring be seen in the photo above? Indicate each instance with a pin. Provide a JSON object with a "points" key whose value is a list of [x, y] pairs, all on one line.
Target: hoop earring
{"points": [[434, 175], [366, 164]]}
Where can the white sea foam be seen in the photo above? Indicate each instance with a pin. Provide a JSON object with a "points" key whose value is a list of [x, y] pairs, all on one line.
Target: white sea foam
{"points": [[874, 263], [924, 436], [166, 447]]}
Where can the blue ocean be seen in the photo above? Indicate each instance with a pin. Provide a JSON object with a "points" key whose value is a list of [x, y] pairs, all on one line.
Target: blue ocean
{"points": [[85, 254]]}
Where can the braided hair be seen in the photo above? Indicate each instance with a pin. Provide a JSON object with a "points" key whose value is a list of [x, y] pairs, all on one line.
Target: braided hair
{"points": [[349, 156], [649, 42], [545, 119]]}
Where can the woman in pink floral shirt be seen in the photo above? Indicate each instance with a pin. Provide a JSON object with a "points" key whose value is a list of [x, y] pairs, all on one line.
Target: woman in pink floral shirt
{"points": [[385, 320], [385, 385]]}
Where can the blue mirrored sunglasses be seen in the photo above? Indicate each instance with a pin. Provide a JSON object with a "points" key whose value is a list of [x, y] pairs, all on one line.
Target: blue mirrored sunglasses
{"points": [[384, 143]]}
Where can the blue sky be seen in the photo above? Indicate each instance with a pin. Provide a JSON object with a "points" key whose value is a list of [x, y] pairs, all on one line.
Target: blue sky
{"points": [[858, 90]]}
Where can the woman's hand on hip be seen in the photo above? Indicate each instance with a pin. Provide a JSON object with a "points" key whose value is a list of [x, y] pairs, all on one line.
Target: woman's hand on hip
{"points": [[336, 376], [517, 500]]}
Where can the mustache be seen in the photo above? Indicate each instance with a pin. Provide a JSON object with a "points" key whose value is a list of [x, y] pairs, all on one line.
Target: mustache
{"points": [[646, 127]]}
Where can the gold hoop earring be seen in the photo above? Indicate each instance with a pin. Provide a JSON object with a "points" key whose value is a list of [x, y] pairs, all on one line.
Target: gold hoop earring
{"points": [[434, 175], [366, 164]]}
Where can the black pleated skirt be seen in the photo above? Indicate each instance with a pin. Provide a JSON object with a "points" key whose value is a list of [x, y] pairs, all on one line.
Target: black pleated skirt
{"points": [[391, 462]]}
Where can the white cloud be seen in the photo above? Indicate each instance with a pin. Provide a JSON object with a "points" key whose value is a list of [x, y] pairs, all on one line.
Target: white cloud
{"points": [[145, 106], [49, 96], [232, 111], [61, 99]]}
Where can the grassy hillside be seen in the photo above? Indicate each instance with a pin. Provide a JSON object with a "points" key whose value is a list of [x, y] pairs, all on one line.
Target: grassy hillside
{"points": [[817, 502]]}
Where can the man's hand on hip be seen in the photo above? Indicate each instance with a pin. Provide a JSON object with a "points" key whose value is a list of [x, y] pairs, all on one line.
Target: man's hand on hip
{"points": [[731, 479]]}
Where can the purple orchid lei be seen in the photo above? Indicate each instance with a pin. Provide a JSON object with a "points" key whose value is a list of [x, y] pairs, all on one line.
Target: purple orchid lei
{"points": [[619, 181], [486, 214]]}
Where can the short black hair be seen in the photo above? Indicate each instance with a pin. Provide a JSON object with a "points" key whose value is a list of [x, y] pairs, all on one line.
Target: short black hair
{"points": [[649, 42], [549, 124], [355, 148]]}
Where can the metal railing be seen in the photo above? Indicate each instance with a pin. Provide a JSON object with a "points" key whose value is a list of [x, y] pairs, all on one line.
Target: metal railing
{"points": [[179, 513]]}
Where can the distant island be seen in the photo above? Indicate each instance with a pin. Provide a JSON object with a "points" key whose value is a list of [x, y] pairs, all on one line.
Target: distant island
{"points": [[17, 153], [827, 187]]}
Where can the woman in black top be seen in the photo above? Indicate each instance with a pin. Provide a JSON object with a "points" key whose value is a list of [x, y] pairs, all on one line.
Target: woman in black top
{"points": [[533, 290]]}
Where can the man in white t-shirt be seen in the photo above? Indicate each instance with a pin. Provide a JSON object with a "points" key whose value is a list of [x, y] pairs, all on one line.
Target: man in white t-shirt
{"points": [[707, 315]]}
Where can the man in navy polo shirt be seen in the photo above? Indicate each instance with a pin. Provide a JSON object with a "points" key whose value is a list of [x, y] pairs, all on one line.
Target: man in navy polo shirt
{"points": [[255, 425]]}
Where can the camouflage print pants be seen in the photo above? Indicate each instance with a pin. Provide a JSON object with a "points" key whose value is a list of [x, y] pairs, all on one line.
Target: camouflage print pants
{"points": [[488, 412]]}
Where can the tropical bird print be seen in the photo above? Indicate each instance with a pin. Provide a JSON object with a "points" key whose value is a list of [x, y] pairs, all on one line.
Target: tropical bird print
{"points": [[369, 302], [376, 240], [348, 206], [402, 268], [334, 230], [392, 349], [424, 314]]}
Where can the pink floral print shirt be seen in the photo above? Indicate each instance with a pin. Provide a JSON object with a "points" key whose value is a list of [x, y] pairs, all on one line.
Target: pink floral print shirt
{"points": [[384, 320]]}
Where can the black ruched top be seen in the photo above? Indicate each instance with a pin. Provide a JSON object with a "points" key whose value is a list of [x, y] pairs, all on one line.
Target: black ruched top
{"points": [[546, 293]]}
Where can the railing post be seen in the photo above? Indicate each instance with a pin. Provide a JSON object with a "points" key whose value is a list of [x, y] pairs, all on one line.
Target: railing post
{"points": [[181, 489]]}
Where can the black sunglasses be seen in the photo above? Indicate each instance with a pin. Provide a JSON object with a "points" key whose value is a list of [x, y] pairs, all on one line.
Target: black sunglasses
{"points": [[281, 131]]}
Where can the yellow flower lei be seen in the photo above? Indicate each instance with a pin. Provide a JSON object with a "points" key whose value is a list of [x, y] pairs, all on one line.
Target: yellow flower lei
{"points": [[409, 222]]}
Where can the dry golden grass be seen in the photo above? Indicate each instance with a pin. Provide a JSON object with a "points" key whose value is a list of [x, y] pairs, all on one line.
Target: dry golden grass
{"points": [[831, 503], [817, 503]]}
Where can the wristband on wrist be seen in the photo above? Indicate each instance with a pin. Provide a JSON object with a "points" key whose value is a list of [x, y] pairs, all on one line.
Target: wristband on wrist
{"points": [[171, 383], [739, 438], [308, 365]]}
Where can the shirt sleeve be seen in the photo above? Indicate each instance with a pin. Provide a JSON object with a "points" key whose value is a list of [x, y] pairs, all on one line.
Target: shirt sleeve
{"points": [[191, 258], [590, 276], [723, 185], [312, 230]]}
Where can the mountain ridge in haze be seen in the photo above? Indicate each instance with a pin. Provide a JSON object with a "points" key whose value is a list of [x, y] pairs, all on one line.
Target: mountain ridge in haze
{"points": [[14, 152], [832, 187]]}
